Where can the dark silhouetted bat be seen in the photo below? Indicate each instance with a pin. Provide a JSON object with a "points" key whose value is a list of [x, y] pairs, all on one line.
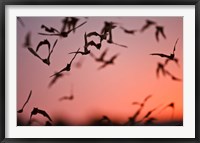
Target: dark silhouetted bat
{"points": [[111, 61], [36, 111], [50, 30], [128, 31], [27, 42], [143, 102], [101, 58], [159, 30], [171, 56], [68, 66], [147, 25], [55, 78], [62, 34]]}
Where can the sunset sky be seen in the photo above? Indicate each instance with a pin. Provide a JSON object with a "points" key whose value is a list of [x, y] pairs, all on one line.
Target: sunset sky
{"points": [[109, 91]]}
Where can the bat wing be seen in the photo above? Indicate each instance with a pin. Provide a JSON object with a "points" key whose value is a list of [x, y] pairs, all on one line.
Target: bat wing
{"points": [[74, 56], [28, 98], [43, 43], [34, 53], [114, 57], [147, 98], [175, 45], [103, 54], [93, 33], [157, 35], [42, 112], [163, 34], [160, 54], [103, 66], [119, 45]]}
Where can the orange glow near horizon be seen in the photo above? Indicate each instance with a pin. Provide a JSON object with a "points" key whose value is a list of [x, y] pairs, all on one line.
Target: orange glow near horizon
{"points": [[111, 90]]}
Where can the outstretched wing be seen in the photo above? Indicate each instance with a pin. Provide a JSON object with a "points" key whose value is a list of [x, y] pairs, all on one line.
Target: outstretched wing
{"points": [[34, 53], [175, 45], [74, 56], [42, 112], [160, 54], [147, 98], [45, 42]]}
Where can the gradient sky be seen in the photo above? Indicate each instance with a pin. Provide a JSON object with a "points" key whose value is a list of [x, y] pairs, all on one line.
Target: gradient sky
{"points": [[109, 91]]}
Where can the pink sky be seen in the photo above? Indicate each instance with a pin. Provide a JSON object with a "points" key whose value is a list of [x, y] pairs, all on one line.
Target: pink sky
{"points": [[109, 91]]}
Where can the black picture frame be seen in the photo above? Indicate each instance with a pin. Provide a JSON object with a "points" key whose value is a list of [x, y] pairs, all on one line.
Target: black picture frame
{"points": [[3, 3]]}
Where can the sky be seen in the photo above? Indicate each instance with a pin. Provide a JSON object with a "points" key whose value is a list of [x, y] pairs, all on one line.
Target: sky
{"points": [[109, 91]]}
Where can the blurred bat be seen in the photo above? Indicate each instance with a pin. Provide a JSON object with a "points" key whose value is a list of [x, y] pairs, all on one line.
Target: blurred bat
{"points": [[27, 42], [68, 66], [128, 31], [109, 62], [50, 30], [21, 21], [62, 34], [147, 25], [159, 30]]}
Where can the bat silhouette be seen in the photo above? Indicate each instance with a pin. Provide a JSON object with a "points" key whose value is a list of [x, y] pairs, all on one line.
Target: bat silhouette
{"points": [[55, 78], [108, 62], [170, 57], [170, 105], [147, 25], [21, 21], [45, 42], [21, 110], [101, 58], [128, 31], [159, 30], [66, 98], [79, 63], [63, 34], [36, 111], [27, 42], [68, 66], [101, 36], [50, 30], [47, 60], [107, 29], [71, 97], [143, 102]]}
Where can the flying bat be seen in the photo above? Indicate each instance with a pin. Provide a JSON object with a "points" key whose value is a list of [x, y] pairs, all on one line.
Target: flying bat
{"points": [[63, 34], [159, 30], [170, 57], [36, 111], [68, 66], [147, 25]]}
